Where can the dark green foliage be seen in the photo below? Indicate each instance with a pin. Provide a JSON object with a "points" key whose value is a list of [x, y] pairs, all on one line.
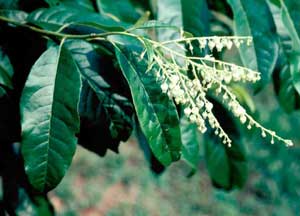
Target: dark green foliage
{"points": [[49, 127], [263, 54], [227, 166], [286, 78], [190, 143], [102, 124], [156, 113], [155, 166], [104, 104]]}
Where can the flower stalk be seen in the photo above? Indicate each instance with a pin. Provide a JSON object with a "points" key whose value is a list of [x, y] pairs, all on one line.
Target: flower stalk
{"points": [[209, 76]]}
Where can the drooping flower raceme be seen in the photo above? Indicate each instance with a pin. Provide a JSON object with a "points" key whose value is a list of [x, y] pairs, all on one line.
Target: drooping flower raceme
{"points": [[209, 75]]}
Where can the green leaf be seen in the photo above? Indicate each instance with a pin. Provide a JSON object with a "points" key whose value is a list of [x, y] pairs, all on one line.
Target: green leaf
{"points": [[98, 115], [94, 69], [155, 25], [119, 10], [149, 50], [143, 19], [56, 17], [192, 15], [156, 113], [227, 166], [52, 2], [285, 39], [6, 70], [34, 205], [287, 90], [88, 62], [243, 97], [286, 20], [49, 117], [295, 70], [286, 16], [275, 2], [16, 15], [253, 18], [169, 12], [290, 17], [80, 4], [190, 142], [196, 17], [2, 92], [155, 165], [11, 4]]}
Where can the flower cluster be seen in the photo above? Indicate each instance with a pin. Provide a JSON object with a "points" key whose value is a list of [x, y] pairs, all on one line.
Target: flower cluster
{"points": [[209, 76], [214, 43], [225, 71]]}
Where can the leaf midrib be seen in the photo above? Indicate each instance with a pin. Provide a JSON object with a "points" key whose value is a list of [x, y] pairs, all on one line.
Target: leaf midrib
{"points": [[50, 120], [251, 32], [146, 93], [284, 7]]}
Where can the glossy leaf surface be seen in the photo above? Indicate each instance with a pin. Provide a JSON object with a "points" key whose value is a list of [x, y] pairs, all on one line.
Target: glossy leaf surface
{"points": [[190, 142], [227, 166], [54, 18], [248, 21], [156, 113], [49, 117], [6, 70]]}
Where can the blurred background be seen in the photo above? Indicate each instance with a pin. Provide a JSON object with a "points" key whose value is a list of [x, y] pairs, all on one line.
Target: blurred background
{"points": [[124, 185]]}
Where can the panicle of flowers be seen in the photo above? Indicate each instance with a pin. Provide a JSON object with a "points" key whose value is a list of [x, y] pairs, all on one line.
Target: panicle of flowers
{"points": [[225, 72], [217, 43], [209, 76]]}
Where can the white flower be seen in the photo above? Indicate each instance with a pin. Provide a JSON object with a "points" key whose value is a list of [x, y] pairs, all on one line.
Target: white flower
{"points": [[202, 129], [219, 46], [207, 73], [237, 42], [211, 44], [200, 103], [238, 110], [249, 41], [289, 143], [164, 87], [174, 78], [195, 110], [202, 43], [193, 118], [187, 111], [237, 73], [209, 57], [243, 119], [228, 78], [225, 96], [209, 106], [229, 44]]}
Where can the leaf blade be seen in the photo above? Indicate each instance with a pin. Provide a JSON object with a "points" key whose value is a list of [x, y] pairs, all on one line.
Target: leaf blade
{"points": [[95, 70], [6, 70], [190, 15], [227, 166], [190, 143], [56, 17], [119, 10], [263, 53], [156, 112], [49, 118]]}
